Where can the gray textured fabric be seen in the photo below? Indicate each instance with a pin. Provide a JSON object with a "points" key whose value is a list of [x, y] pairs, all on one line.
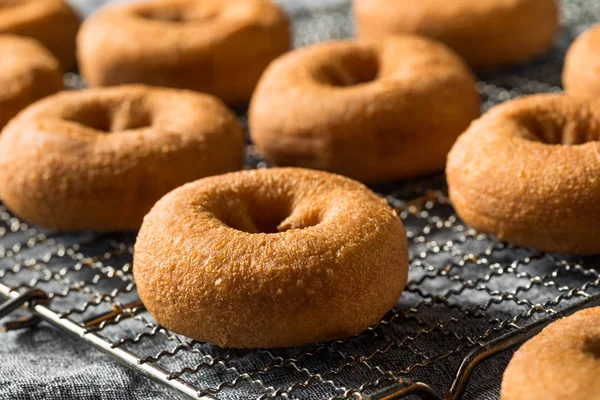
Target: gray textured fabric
{"points": [[46, 363]]}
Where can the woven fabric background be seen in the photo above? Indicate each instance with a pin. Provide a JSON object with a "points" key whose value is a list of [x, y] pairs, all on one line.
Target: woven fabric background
{"points": [[46, 363]]}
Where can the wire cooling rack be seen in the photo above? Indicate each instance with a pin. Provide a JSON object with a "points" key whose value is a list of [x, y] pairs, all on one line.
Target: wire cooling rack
{"points": [[469, 296]]}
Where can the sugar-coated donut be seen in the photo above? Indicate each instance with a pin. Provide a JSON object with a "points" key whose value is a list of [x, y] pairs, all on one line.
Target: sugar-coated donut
{"points": [[51, 22], [560, 363], [213, 46], [581, 73], [528, 172], [270, 258], [28, 72], [486, 33], [371, 110], [98, 159]]}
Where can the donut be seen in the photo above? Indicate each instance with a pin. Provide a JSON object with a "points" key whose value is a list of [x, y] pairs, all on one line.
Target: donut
{"points": [[270, 258], [213, 46], [51, 22], [581, 72], [98, 159], [562, 362], [487, 33], [28, 72], [372, 110], [528, 172]]}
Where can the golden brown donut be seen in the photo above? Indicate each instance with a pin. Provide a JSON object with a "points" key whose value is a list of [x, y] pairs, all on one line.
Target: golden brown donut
{"points": [[270, 258], [528, 172], [98, 159], [213, 46], [486, 33], [371, 110], [51, 22], [581, 73], [560, 363], [28, 72]]}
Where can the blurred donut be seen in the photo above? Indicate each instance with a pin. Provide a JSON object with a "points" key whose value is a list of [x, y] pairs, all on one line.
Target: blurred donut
{"points": [[51, 22], [98, 159], [486, 33], [581, 73], [212, 46], [372, 110], [28, 72]]}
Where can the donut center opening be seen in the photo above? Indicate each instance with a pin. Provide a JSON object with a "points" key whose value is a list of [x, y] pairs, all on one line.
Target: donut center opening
{"points": [[350, 70], [591, 346], [110, 120], [178, 15], [263, 213], [553, 129]]}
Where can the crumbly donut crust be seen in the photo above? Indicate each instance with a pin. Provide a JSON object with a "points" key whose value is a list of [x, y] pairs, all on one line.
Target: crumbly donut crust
{"points": [[562, 362], [208, 265], [98, 159], [528, 172], [375, 111]]}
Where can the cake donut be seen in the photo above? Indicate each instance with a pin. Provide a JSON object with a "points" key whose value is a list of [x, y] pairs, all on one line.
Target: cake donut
{"points": [[562, 362], [581, 73], [270, 258], [28, 72], [213, 46], [98, 159], [372, 110], [528, 172], [487, 34], [51, 22]]}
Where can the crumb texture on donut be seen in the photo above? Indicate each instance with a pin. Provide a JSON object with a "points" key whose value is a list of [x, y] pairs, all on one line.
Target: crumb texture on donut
{"points": [[51, 22], [528, 172], [562, 362], [581, 73], [28, 72], [375, 111], [212, 46], [98, 159], [487, 34], [270, 258]]}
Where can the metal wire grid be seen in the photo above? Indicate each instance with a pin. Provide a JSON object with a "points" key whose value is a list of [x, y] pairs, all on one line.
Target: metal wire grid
{"points": [[465, 289]]}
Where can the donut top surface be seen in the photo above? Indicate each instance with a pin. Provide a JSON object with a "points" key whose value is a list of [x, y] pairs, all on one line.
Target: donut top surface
{"points": [[344, 68], [562, 362]]}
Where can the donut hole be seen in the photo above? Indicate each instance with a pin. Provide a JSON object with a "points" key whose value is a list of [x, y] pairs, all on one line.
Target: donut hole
{"points": [[178, 15], [263, 213], [106, 119], [591, 346], [554, 129], [354, 68]]}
